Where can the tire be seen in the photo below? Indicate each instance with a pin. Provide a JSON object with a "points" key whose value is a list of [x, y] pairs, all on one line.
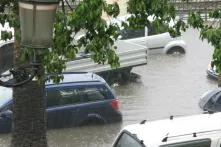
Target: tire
{"points": [[176, 50]]}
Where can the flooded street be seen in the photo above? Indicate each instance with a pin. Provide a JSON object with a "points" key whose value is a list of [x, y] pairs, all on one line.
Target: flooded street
{"points": [[169, 85]]}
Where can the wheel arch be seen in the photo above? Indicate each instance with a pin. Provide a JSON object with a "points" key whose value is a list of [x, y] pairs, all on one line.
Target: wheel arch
{"points": [[174, 44], [93, 118]]}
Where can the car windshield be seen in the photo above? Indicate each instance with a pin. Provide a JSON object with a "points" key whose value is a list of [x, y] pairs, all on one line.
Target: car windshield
{"points": [[127, 140], [5, 95]]}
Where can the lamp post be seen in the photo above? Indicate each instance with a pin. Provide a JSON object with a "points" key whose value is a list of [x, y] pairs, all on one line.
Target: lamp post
{"points": [[36, 21]]}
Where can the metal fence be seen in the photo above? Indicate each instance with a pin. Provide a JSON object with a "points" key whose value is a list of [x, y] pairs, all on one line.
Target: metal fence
{"points": [[201, 6], [69, 4]]}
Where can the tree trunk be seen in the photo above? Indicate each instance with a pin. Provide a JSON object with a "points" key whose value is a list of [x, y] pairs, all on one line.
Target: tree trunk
{"points": [[29, 129], [29, 121]]}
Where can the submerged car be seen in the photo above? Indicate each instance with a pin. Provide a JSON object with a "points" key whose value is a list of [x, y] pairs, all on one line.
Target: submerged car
{"points": [[148, 37], [80, 99], [211, 101], [201, 130], [211, 71]]}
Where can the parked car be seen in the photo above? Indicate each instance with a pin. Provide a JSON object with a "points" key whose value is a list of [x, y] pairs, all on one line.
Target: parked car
{"points": [[155, 42], [161, 43], [211, 71], [201, 130], [80, 99], [211, 101]]}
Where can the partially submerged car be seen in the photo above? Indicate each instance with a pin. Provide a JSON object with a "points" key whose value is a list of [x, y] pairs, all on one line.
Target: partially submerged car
{"points": [[80, 99], [161, 43], [148, 37], [211, 71], [211, 101], [201, 130]]}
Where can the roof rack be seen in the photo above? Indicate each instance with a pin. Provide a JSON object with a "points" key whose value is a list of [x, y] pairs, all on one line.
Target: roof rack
{"points": [[75, 72], [194, 134], [143, 122]]}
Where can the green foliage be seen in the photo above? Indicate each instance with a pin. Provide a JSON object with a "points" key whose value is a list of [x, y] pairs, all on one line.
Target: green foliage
{"points": [[6, 35], [157, 14], [211, 31], [215, 14], [195, 20], [98, 39]]}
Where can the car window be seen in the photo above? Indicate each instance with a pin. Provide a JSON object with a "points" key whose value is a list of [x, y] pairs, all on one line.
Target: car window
{"points": [[8, 107], [70, 96], [193, 143], [63, 97], [132, 33], [217, 98], [94, 93], [154, 31], [127, 140], [53, 98]]}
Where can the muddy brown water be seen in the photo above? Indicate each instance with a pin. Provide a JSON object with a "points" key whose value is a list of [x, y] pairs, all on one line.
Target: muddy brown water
{"points": [[169, 85]]}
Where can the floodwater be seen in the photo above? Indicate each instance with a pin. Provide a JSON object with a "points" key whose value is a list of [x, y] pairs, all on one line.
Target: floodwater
{"points": [[169, 85]]}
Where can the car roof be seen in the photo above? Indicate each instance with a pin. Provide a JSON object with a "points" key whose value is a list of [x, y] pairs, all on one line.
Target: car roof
{"points": [[79, 77], [152, 133], [212, 93]]}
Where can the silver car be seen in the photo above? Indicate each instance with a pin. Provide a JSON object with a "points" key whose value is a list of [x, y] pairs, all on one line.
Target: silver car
{"points": [[211, 101]]}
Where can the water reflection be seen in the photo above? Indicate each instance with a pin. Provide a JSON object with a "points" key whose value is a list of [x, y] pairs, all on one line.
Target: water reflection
{"points": [[91, 136]]}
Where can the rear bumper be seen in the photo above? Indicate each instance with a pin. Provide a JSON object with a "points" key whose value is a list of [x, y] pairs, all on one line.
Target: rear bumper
{"points": [[114, 118]]}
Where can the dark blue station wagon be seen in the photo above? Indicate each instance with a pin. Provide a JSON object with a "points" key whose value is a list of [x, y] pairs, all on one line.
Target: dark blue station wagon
{"points": [[80, 99]]}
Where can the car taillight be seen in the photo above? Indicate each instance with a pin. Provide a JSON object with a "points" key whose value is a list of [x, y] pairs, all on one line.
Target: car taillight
{"points": [[115, 104]]}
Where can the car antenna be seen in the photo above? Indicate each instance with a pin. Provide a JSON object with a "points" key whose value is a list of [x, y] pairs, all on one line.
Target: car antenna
{"points": [[165, 138], [171, 117], [143, 122]]}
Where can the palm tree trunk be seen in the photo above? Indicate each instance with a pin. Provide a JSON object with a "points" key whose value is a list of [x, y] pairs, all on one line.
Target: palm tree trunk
{"points": [[29, 121]]}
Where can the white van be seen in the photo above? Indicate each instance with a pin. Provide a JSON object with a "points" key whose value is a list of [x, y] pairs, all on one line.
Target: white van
{"points": [[202, 130]]}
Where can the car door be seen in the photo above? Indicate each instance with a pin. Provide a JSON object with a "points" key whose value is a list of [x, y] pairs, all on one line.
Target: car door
{"points": [[52, 102], [64, 111], [95, 103]]}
